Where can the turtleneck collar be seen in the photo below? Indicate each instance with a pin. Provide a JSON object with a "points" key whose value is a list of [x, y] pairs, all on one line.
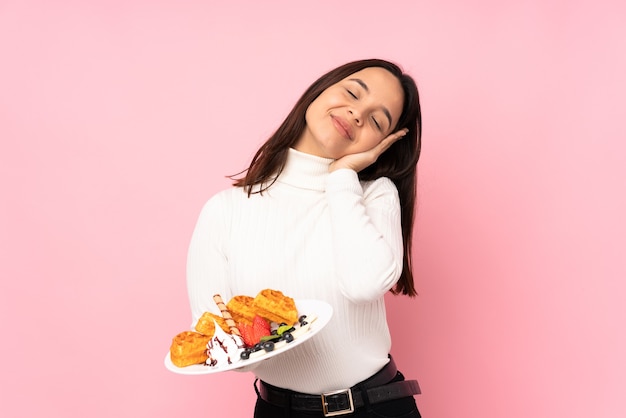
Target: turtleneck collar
{"points": [[305, 170]]}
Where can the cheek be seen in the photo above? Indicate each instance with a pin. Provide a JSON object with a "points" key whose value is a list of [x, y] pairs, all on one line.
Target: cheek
{"points": [[370, 140], [376, 137], [311, 116], [314, 111]]}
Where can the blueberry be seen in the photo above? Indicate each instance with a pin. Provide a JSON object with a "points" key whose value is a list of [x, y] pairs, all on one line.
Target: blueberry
{"points": [[245, 354], [257, 347], [302, 318], [288, 337], [268, 346]]}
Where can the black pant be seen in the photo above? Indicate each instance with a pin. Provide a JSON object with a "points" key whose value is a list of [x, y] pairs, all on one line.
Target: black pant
{"points": [[397, 408]]}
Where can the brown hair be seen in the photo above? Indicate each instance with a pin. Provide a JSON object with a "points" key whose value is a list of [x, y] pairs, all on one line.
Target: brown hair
{"points": [[398, 163]]}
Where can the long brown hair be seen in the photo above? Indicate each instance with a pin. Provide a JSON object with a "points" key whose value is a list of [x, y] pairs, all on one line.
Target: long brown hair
{"points": [[398, 163]]}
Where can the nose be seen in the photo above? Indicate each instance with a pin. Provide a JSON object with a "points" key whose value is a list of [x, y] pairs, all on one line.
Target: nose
{"points": [[355, 113]]}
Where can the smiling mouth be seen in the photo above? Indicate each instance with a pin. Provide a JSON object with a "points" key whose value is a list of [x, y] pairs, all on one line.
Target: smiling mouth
{"points": [[342, 127]]}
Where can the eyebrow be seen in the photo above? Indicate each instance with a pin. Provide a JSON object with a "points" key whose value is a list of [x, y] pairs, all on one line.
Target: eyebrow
{"points": [[364, 86]]}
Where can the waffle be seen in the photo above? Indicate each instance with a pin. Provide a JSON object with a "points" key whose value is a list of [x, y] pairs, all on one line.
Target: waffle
{"points": [[274, 306], [189, 348], [206, 324], [241, 309]]}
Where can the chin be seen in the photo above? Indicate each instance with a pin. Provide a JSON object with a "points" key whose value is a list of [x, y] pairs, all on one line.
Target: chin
{"points": [[336, 148], [335, 155]]}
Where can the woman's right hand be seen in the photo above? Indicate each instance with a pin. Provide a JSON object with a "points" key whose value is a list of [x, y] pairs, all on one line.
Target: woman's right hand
{"points": [[360, 161]]}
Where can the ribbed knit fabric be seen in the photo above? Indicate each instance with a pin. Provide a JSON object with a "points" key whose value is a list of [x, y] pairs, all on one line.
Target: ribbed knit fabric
{"points": [[312, 235]]}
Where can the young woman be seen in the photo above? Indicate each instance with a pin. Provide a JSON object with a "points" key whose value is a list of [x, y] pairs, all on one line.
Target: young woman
{"points": [[324, 211]]}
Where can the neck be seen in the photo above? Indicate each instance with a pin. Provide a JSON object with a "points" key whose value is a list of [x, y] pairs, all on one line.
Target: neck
{"points": [[305, 170]]}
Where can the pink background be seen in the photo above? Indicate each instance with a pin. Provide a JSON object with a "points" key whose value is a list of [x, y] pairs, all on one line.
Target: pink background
{"points": [[118, 119]]}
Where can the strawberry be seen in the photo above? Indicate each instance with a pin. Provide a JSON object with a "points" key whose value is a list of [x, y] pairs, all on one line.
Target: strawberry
{"points": [[247, 334], [252, 333], [261, 326]]}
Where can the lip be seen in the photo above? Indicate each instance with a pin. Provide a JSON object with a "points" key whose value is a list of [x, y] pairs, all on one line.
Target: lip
{"points": [[343, 127]]}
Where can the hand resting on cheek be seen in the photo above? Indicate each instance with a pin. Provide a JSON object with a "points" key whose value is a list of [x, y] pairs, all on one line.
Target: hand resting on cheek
{"points": [[360, 161]]}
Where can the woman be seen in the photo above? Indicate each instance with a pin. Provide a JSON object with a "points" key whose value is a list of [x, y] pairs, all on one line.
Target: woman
{"points": [[325, 211]]}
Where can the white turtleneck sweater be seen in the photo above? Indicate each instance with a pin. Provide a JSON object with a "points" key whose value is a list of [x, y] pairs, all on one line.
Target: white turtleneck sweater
{"points": [[312, 235]]}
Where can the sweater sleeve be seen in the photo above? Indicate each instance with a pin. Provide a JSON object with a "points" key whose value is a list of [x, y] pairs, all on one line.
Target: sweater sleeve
{"points": [[206, 259], [367, 234]]}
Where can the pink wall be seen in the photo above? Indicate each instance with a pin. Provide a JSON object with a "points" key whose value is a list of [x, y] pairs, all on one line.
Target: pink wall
{"points": [[119, 118]]}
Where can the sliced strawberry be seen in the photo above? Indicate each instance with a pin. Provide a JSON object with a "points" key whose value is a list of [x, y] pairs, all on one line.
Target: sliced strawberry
{"points": [[261, 327], [247, 334], [260, 324]]}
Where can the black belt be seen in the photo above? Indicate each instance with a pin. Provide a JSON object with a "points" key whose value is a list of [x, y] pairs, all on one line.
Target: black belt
{"points": [[376, 388]]}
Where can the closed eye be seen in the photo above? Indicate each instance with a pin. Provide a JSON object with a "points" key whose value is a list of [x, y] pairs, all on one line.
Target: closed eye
{"points": [[377, 124], [351, 94], [364, 86]]}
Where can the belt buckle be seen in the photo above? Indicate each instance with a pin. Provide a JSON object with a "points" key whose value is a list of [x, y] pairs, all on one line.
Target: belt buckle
{"points": [[349, 409]]}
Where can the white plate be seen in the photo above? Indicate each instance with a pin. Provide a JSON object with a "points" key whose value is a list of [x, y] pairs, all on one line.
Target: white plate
{"points": [[318, 308]]}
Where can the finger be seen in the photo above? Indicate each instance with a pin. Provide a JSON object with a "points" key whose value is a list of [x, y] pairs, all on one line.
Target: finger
{"points": [[402, 132], [390, 139], [396, 135]]}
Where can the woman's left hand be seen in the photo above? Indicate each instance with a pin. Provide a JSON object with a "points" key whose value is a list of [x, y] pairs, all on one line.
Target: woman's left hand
{"points": [[358, 162]]}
